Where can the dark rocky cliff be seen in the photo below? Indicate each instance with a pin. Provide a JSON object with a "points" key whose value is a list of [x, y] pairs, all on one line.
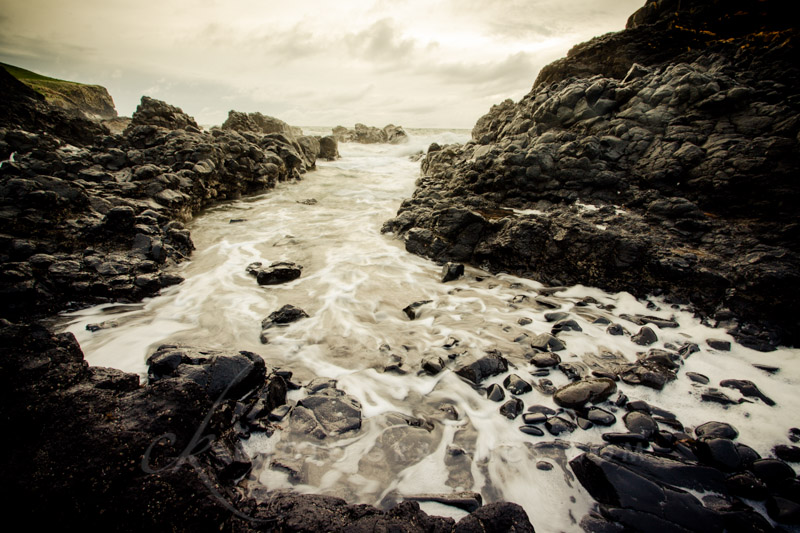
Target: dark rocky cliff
{"points": [[88, 101], [659, 159]]}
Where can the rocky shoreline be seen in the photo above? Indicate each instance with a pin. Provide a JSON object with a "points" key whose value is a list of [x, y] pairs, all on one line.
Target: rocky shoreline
{"points": [[92, 217], [634, 164], [657, 160]]}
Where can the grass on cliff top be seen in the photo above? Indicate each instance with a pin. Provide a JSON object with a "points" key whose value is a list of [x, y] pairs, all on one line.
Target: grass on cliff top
{"points": [[27, 76]]}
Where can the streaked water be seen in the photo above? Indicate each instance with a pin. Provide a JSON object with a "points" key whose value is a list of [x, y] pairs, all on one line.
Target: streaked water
{"points": [[354, 285]]}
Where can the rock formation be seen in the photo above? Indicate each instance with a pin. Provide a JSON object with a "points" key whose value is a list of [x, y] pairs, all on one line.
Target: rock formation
{"points": [[657, 160], [370, 135], [100, 222]]}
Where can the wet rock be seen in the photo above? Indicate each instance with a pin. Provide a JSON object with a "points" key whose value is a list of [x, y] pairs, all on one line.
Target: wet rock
{"points": [[698, 378], [783, 510], [546, 342], [544, 466], [600, 417], [717, 344], [321, 415], [277, 273], [452, 271], [573, 371], [641, 423], [412, 310], [720, 453], [231, 460], [655, 378], [524, 321], [583, 423], [784, 452], [219, 373], [545, 359], [516, 385], [716, 430], [641, 320], [794, 434], [616, 330], [495, 393], [688, 349], [717, 396], [627, 481], [495, 517], [512, 408], [645, 337], [328, 148], [578, 394], [556, 425], [279, 413], [565, 325], [532, 430], [433, 366], [476, 369], [534, 418], [556, 316], [746, 388], [284, 316], [626, 439], [541, 409], [747, 485], [773, 472]]}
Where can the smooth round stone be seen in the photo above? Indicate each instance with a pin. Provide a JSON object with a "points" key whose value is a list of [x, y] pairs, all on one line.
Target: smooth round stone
{"points": [[532, 430], [713, 430], [544, 465], [719, 453], [746, 485], [556, 316], [534, 418], [641, 423], [600, 417], [783, 510], [698, 378], [634, 439], [773, 472], [545, 360], [579, 393]]}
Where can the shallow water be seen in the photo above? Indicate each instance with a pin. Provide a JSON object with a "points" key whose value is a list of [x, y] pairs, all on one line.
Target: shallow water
{"points": [[354, 285]]}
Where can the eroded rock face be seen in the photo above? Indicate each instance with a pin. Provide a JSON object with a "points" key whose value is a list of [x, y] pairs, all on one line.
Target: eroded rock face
{"points": [[100, 223], [632, 164]]}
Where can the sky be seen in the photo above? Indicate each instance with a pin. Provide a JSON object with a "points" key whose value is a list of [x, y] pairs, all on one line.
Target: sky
{"points": [[416, 63]]}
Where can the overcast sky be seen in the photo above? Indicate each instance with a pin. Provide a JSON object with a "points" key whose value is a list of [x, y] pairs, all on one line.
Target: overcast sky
{"points": [[417, 63]]}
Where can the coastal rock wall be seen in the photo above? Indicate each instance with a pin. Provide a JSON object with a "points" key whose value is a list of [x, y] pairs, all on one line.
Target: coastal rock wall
{"points": [[660, 159], [99, 223]]}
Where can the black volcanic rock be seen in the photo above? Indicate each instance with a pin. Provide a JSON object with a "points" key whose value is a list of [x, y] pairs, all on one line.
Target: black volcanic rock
{"points": [[663, 130]]}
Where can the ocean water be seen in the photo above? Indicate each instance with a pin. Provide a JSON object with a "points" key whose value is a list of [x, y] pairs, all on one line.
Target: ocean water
{"points": [[354, 285]]}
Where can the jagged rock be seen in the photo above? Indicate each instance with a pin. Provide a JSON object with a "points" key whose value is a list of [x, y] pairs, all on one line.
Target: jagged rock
{"points": [[411, 310], [451, 271], [746, 388], [512, 408], [370, 135], [217, 373], [646, 118], [152, 112], [545, 342], [516, 385], [328, 148], [323, 415], [284, 316], [276, 273], [476, 369]]}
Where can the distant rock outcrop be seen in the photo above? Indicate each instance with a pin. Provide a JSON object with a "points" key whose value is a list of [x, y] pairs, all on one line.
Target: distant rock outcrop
{"points": [[660, 159], [258, 123], [370, 135], [89, 101]]}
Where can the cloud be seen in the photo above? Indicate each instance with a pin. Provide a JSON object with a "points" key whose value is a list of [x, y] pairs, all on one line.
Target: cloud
{"points": [[380, 42]]}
